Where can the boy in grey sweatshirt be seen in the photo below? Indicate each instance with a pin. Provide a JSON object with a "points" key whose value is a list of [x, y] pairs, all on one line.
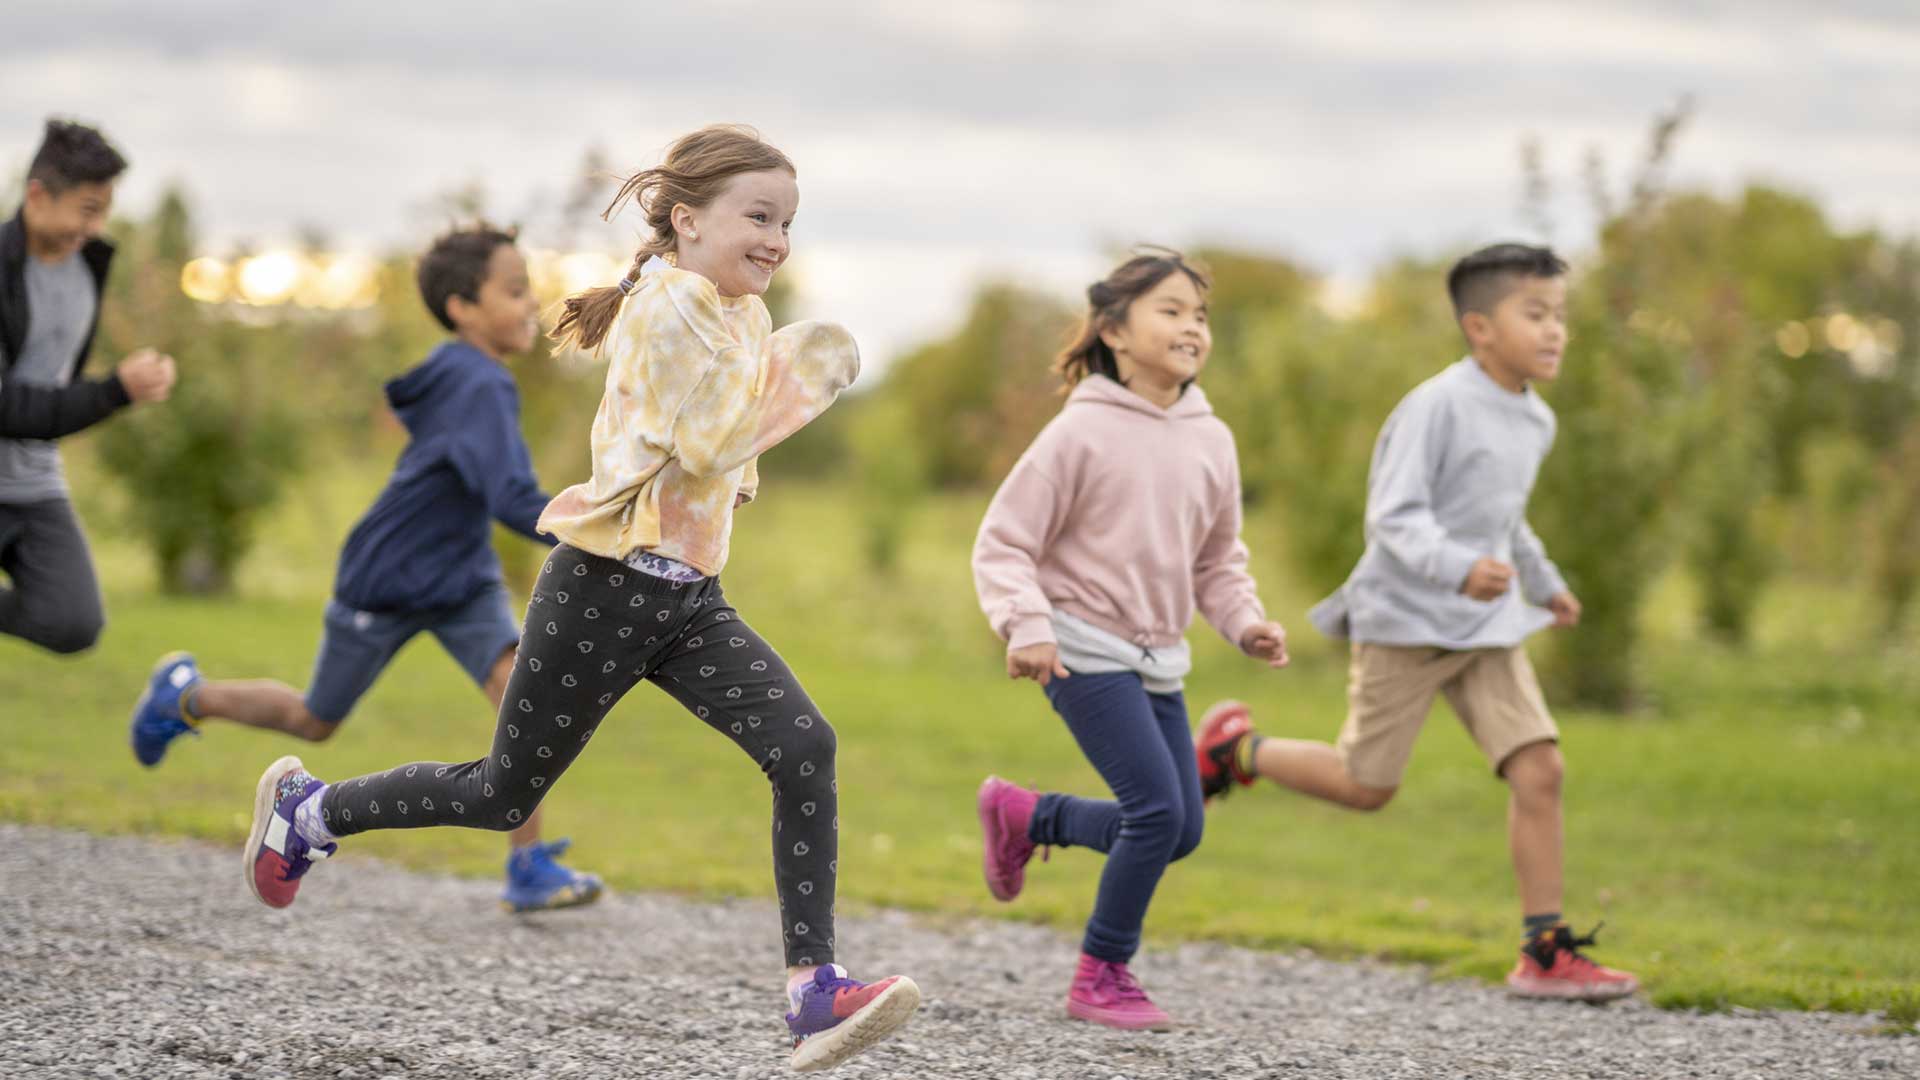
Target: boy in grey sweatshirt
{"points": [[1451, 583]]}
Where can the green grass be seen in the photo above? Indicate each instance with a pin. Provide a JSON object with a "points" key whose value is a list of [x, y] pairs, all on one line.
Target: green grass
{"points": [[1751, 839]]}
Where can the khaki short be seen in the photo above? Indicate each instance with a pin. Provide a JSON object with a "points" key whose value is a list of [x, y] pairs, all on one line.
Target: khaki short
{"points": [[1390, 690]]}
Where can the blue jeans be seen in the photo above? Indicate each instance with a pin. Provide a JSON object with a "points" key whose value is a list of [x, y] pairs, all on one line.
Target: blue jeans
{"points": [[1141, 747]]}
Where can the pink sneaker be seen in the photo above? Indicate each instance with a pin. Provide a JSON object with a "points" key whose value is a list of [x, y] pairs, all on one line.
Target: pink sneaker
{"points": [[1106, 993], [1552, 966], [1005, 811]]}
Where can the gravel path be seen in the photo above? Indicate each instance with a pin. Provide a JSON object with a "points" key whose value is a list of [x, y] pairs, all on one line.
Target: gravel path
{"points": [[127, 957]]}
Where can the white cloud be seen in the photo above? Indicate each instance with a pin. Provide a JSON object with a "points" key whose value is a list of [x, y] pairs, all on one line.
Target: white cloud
{"points": [[939, 144]]}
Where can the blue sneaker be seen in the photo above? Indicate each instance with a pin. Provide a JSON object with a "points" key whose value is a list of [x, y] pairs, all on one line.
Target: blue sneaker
{"points": [[161, 713], [837, 1016], [535, 882]]}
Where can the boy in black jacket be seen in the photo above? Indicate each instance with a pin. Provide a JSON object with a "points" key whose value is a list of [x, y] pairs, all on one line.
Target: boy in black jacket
{"points": [[53, 267]]}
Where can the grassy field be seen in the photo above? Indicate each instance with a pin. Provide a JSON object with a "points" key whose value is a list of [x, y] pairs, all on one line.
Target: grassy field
{"points": [[1752, 838]]}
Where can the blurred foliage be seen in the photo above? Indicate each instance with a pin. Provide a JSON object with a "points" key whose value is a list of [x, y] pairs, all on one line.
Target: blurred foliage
{"points": [[1741, 395], [199, 470]]}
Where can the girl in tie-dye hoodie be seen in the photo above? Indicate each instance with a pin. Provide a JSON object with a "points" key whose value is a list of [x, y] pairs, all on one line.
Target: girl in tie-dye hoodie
{"points": [[698, 386]]}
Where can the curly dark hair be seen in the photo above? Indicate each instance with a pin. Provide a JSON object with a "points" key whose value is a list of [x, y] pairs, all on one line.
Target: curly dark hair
{"points": [[456, 265]]}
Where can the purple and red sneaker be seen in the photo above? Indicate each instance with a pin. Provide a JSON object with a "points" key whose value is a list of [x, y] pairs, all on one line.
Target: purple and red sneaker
{"points": [[277, 856], [838, 1017], [1005, 812]]}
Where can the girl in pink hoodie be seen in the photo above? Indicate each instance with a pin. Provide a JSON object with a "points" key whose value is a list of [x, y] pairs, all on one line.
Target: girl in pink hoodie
{"points": [[1120, 519]]}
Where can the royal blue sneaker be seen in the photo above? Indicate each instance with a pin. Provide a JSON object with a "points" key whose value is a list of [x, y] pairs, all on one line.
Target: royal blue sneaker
{"points": [[839, 1017], [277, 856], [535, 882], [161, 713]]}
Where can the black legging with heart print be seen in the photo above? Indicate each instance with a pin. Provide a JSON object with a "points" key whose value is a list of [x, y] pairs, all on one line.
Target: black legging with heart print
{"points": [[594, 628]]}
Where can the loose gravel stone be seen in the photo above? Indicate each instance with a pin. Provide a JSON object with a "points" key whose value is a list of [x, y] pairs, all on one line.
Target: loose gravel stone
{"points": [[132, 957]]}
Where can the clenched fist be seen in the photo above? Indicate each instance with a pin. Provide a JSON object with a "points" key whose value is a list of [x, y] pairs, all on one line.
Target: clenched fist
{"points": [[147, 375]]}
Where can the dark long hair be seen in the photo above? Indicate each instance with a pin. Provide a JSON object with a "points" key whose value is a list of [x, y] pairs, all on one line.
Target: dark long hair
{"points": [[1107, 302]]}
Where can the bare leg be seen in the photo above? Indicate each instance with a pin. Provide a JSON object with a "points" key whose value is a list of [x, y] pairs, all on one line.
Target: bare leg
{"points": [[496, 691], [1315, 768], [260, 703], [1534, 773]]}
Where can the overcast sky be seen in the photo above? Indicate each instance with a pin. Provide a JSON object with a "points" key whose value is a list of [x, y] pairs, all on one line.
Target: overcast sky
{"points": [[940, 143]]}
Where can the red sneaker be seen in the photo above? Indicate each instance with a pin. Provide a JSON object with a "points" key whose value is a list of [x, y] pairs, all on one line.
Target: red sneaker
{"points": [[1217, 748], [1107, 993], [1551, 967]]}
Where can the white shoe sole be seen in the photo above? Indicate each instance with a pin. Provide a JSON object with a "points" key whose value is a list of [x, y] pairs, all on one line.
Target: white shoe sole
{"points": [[262, 815], [880, 1018]]}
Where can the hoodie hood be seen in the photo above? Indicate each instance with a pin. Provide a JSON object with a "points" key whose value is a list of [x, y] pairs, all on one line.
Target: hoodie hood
{"points": [[427, 384], [1100, 390]]}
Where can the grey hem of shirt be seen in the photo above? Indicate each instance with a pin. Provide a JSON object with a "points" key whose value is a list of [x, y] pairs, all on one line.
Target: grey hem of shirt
{"points": [[1087, 649]]}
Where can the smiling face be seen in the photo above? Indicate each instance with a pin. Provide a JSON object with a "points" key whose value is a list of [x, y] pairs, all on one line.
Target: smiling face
{"points": [[1525, 336], [59, 225], [739, 239], [1163, 341], [504, 316]]}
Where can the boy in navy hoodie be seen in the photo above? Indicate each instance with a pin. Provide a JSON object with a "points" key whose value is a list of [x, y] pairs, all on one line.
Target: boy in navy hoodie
{"points": [[421, 559]]}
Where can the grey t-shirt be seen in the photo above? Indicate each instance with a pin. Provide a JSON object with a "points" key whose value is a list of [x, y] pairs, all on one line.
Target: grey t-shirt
{"points": [[1451, 475], [61, 303]]}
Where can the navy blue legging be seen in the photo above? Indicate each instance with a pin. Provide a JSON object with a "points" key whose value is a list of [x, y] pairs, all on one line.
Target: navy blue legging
{"points": [[1141, 747]]}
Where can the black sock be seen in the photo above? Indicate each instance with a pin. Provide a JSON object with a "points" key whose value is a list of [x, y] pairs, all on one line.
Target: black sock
{"points": [[1535, 925]]}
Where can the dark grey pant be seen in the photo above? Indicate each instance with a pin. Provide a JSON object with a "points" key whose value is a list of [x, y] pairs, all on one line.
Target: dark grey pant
{"points": [[53, 598], [594, 628]]}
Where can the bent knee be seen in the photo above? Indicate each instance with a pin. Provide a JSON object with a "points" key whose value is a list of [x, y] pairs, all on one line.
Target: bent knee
{"points": [[68, 638], [813, 744], [1369, 799], [1537, 771], [502, 814], [509, 820], [1160, 825], [314, 729], [1189, 840]]}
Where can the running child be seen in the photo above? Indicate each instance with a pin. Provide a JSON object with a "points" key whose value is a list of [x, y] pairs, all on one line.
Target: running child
{"points": [[421, 559], [1120, 519], [698, 386], [1432, 607], [53, 269]]}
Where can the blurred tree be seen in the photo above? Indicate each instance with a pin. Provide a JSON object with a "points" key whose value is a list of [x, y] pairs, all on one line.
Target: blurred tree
{"points": [[1242, 378], [1306, 394], [1624, 413], [976, 399], [200, 470]]}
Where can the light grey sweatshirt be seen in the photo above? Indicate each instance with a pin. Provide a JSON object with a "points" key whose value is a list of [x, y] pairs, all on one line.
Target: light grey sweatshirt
{"points": [[1449, 483]]}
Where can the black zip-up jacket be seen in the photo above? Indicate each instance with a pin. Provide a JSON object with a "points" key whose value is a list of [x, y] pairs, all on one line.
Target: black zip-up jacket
{"points": [[48, 412]]}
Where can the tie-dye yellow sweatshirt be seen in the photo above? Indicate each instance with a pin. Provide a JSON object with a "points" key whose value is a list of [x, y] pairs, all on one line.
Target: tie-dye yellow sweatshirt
{"points": [[697, 388]]}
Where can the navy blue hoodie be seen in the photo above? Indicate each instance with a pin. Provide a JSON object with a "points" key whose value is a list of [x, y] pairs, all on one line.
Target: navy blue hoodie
{"points": [[427, 540]]}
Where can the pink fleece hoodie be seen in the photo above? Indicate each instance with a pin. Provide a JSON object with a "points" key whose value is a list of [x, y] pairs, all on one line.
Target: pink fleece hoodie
{"points": [[1123, 514]]}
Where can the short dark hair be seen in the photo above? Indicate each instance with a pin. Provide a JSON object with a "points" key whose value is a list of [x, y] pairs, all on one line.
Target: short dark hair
{"points": [[1484, 278], [72, 154], [456, 265]]}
